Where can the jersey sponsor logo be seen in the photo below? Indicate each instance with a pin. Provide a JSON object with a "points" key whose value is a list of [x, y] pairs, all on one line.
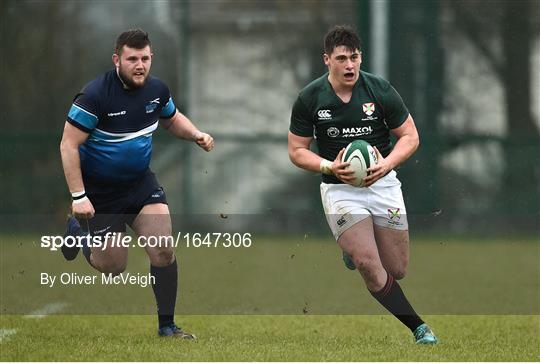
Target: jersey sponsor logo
{"points": [[332, 132], [356, 131], [369, 108], [324, 114], [118, 113]]}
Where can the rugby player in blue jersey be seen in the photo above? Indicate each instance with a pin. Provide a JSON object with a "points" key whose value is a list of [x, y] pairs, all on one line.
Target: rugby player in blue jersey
{"points": [[106, 148]]}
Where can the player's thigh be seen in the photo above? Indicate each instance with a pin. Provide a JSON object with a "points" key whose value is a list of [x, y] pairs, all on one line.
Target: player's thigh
{"points": [[359, 242], [154, 228], [393, 245], [110, 257], [387, 207], [153, 220], [107, 225]]}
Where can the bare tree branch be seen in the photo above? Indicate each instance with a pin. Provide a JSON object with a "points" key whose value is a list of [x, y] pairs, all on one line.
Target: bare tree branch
{"points": [[470, 28]]}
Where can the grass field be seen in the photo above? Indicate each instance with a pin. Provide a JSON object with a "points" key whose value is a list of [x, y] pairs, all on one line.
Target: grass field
{"points": [[480, 296], [270, 338]]}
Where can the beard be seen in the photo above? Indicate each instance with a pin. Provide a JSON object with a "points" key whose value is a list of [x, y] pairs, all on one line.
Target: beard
{"points": [[127, 79]]}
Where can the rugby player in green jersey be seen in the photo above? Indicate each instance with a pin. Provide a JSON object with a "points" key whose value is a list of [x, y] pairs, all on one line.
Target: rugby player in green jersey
{"points": [[369, 223]]}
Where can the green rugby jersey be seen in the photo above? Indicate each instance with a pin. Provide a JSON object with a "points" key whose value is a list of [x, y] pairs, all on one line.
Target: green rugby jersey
{"points": [[375, 108]]}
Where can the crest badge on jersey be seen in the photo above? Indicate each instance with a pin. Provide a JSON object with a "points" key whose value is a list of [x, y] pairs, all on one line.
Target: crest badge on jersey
{"points": [[152, 105], [369, 108]]}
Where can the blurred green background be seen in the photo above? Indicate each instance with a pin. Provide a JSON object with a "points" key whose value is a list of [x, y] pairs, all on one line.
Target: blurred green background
{"points": [[469, 71]]}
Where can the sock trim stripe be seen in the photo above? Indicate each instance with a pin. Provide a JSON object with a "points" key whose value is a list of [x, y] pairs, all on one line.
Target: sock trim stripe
{"points": [[388, 285]]}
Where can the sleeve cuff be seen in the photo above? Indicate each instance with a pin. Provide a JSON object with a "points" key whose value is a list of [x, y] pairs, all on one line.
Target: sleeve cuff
{"points": [[168, 117], [78, 126]]}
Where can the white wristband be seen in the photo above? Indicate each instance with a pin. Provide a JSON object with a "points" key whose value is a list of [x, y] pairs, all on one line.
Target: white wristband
{"points": [[326, 166], [85, 198], [78, 194]]}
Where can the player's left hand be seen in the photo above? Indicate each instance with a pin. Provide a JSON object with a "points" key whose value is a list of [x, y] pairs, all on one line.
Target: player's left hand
{"points": [[377, 171], [205, 141]]}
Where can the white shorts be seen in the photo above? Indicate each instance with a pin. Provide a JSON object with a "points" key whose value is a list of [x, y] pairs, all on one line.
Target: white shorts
{"points": [[345, 205]]}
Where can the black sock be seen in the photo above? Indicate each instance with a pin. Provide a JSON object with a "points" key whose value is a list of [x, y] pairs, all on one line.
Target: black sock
{"points": [[165, 286], [392, 298]]}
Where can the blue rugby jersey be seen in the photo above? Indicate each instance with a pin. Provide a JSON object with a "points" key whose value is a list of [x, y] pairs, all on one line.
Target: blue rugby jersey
{"points": [[120, 123]]}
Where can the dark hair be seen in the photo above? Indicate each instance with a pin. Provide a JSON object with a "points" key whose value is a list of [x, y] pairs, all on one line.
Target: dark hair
{"points": [[341, 35], [133, 38]]}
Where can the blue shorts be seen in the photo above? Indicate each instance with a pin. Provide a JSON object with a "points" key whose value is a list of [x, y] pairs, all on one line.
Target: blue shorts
{"points": [[119, 204]]}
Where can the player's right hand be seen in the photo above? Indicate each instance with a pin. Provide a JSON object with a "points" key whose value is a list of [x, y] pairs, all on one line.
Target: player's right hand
{"points": [[340, 170], [83, 209]]}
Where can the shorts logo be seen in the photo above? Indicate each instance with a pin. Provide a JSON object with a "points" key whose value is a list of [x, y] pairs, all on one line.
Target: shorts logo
{"points": [[369, 108], [332, 132], [102, 230], [158, 193], [341, 222], [394, 214], [324, 114]]}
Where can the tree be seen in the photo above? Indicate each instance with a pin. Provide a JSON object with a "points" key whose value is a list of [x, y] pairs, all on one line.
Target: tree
{"points": [[503, 32]]}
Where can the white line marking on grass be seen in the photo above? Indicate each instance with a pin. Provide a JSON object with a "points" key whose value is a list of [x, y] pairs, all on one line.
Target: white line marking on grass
{"points": [[5, 333], [46, 310]]}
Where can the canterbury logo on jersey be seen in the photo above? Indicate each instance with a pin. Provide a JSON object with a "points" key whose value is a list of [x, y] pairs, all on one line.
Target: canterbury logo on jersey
{"points": [[324, 115]]}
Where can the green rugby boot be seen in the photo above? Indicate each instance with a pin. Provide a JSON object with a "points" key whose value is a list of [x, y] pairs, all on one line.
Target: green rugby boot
{"points": [[424, 335], [347, 259]]}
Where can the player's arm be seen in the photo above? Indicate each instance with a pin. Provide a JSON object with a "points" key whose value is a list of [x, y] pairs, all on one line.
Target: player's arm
{"points": [[72, 138], [302, 157], [181, 127], [407, 143]]}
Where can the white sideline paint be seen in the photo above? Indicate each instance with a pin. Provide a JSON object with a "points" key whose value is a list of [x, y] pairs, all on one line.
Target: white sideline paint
{"points": [[5, 333], [46, 310]]}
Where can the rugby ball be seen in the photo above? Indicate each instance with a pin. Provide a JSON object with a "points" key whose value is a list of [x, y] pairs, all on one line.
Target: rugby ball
{"points": [[361, 155]]}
